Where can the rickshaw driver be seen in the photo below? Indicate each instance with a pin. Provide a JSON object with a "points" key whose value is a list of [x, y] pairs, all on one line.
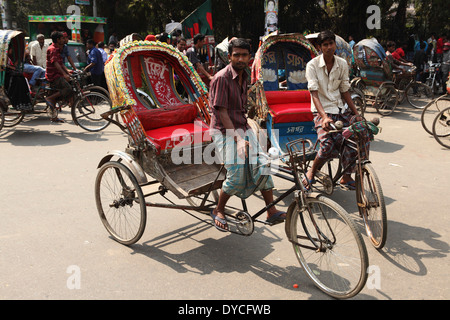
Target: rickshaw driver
{"points": [[328, 82], [56, 73], [228, 97]]}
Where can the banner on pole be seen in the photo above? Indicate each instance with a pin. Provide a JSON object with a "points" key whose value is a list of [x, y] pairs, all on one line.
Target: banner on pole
{"points": [[271, 10], [83, 2], [199, 21]]}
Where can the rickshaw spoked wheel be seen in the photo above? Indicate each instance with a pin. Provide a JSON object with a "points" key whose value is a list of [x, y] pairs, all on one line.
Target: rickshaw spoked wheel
{"points": [[13, 118], [386, 99], [120, 203], [2, 118]]}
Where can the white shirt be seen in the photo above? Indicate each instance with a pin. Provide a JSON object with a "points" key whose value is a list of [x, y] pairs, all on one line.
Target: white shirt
{"points": [[329, 86], [40, 54]]}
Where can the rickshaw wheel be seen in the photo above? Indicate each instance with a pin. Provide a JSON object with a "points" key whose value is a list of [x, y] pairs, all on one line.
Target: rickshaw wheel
{"points": [[120, 203], [87, 111], [2, 118], [13, 118], [386, 99]]}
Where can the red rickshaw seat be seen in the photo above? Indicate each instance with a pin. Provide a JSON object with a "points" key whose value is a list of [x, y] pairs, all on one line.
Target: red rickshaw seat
{"points": [[181, 135], [290, 106]]}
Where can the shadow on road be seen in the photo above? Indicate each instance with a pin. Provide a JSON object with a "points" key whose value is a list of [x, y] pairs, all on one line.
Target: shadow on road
{"points": [[29, 136]]}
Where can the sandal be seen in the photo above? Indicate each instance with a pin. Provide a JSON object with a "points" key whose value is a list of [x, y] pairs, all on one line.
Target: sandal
{"points": [[57, 120], [222, 221], [349, 186], [276, 218]]}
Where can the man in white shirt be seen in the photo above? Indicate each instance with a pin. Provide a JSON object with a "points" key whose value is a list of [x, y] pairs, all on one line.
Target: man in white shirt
{"points": [[328, 82], [38, 52]]}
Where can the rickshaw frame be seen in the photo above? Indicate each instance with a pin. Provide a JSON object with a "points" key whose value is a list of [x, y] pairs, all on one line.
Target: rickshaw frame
{"points": [[127, 176]]}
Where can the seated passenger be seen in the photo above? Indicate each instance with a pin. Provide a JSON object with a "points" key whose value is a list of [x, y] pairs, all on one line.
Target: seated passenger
{"points": [[396, 64], [28, 67]]}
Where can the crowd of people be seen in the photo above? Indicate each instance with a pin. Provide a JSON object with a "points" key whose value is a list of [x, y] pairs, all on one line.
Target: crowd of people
{"points": [[419, 53]]}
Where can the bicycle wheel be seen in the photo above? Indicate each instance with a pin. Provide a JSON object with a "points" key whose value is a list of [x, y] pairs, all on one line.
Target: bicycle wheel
{"points": [[332, 168], [87, 111], [2, 118], [441, 128], [13, 118], [386, 99], [359, 102], [334, 255], [120, 203], [418, 94], [371, 205], [430, 112]]}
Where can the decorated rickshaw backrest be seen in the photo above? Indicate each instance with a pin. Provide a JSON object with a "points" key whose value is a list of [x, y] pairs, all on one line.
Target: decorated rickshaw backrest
{"points": [[283, 57], [129, 57], [159, 75]]}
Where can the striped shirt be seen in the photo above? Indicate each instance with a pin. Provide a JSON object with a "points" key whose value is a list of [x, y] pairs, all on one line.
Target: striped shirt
{"points": [[53, 55], [226, 92]]}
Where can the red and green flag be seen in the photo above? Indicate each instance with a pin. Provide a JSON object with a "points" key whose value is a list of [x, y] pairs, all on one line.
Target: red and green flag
{"points": [[199, 21]]}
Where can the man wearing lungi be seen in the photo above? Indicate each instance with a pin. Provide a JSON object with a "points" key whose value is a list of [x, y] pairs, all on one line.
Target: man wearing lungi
{"points": [[235, 141], [328, 82]]}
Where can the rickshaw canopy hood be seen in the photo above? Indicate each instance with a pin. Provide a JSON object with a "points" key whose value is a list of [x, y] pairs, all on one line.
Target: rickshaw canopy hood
{"points": [[118, 77], [292, 42], [15, 39]]}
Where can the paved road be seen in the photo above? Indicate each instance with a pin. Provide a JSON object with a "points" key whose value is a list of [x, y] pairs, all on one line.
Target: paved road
{"points": [[53, 245]]}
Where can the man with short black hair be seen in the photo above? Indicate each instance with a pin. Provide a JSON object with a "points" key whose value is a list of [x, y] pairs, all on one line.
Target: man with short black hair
{"points": [[95, 64], [193, 55], [57, 73], [328, 82], [231, 131]]}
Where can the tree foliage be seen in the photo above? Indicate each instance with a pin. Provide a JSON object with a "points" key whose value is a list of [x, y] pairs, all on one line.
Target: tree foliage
{"points": [[246, 18]]}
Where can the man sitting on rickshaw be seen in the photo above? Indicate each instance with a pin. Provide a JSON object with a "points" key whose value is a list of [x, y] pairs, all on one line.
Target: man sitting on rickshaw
{"points": [[396, 63], [57, 73], [328, 82], [230, 131]]}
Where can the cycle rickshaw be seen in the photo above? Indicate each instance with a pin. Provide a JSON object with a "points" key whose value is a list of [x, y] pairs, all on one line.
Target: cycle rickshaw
{"points": [[279, 97], [285, 111], [17, 99], [141, 176], [382, 85]]}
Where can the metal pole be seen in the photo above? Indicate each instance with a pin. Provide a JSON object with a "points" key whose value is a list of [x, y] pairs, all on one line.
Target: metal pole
{"points": [[6, 15], [95, 7]]}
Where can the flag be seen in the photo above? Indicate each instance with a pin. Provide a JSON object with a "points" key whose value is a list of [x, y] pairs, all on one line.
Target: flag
{"points": [[199, 21]]}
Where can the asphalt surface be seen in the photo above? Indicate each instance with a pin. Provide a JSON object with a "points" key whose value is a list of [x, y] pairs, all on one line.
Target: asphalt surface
{"points": [[54, 246]]}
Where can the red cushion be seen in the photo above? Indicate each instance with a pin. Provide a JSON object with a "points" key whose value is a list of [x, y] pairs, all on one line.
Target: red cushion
{"points": [[291, 112], [167, 138], [159, 118], [281, 97]]}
